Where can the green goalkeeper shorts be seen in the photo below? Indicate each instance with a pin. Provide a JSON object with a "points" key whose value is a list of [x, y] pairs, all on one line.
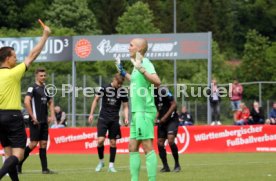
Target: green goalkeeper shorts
{"points": [[142, 125]]}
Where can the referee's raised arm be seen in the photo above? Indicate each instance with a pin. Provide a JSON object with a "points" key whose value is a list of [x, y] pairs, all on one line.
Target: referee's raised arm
{"points": [[12, 129], [38, 48]]}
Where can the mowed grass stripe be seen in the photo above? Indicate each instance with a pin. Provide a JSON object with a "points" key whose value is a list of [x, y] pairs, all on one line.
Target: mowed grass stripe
{"points": [[229, 166]]}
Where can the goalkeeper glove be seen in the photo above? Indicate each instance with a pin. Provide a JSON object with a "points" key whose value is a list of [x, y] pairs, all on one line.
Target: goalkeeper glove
{"points": [[137, 62], [119, 67]]}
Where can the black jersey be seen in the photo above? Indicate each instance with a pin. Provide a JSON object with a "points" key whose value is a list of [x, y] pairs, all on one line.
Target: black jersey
{"points": [[39, 102], [163, 99], [111, 101]]}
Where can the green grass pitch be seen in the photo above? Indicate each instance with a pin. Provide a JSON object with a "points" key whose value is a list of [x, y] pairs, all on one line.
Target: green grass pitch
{"points": [[224, 167]]}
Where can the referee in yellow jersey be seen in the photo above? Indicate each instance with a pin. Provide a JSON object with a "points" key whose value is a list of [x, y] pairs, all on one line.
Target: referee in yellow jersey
{"points": [[12, 130]]}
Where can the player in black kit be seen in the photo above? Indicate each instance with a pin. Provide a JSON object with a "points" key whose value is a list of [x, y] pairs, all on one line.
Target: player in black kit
{"points": [[167, 120], [36, 102], [112, 96]]}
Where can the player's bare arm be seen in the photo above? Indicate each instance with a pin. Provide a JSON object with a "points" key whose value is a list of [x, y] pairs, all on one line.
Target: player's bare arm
{"points": [[125, 107], [93, 107], [127, 76], [169, 112], [27, 103], [52, 111]]}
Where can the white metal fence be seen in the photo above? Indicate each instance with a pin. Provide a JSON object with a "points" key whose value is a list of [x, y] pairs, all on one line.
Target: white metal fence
{"points": [[262, 91]]}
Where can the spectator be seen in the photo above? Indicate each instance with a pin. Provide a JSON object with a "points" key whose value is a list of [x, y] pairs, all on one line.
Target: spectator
{"points": [[236, 91], [60, 121], [242, 115], [214, 101], [185, 119], [272, 115], [256, 114]]}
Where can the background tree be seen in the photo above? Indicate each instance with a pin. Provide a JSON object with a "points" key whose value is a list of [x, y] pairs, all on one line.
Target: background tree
{"points": [[254, 59], [252, 14], [270, 56], [254, 66], [223, 17], [73, 14], [204, 15], [36, 31], [185, 16], [163, 14], [136, 20], [9, 16], [107, 13], [21, 14]]}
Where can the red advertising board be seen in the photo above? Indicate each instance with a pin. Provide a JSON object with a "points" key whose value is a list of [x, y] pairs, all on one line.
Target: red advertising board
{"points": [[192, 139]]}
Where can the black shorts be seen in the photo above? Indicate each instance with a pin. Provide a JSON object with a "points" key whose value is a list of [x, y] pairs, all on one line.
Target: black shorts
{"points": [[12, 129], [112, 126], [171, 127], [38, 132]]}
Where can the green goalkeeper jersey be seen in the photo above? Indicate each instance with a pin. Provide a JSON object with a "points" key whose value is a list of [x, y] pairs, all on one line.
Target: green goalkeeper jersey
{"points": [[141, 90]]}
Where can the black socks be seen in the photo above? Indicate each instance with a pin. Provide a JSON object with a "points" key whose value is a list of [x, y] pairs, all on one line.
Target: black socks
{"points": [[112, 154], [9, 166], [163, 155], [175, 153], [26, 154], [43, 158], [100, 152]]}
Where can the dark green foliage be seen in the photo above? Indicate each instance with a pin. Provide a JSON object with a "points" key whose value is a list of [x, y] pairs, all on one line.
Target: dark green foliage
{"points": [[73, 14], [107, 13], [137, 20]]}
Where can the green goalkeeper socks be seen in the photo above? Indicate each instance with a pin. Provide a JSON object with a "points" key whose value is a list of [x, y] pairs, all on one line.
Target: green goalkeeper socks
{"points": [[151, 163], [135, 162]]}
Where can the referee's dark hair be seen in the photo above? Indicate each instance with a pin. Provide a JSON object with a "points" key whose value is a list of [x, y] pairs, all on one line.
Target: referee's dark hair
{"points": [[4, 53], [40, 69]]}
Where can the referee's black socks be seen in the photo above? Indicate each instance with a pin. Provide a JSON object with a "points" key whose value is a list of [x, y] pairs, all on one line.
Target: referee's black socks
{"points": [[163, 155], [112, 154], [43, 159], [175, 153], [9, 165], [13, 174]]}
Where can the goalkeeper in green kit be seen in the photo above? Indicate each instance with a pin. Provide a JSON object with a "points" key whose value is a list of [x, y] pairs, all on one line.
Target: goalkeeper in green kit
{"points": [[142, 108]]}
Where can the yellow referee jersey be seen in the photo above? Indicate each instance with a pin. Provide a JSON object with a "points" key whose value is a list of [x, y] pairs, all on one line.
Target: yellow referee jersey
{"points": [[10, 87]]}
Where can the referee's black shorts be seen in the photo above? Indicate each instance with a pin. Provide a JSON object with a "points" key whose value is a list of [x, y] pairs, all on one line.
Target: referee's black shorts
{"points": [[170, 127], [112, 126], [38, 132], [12, 129]]}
